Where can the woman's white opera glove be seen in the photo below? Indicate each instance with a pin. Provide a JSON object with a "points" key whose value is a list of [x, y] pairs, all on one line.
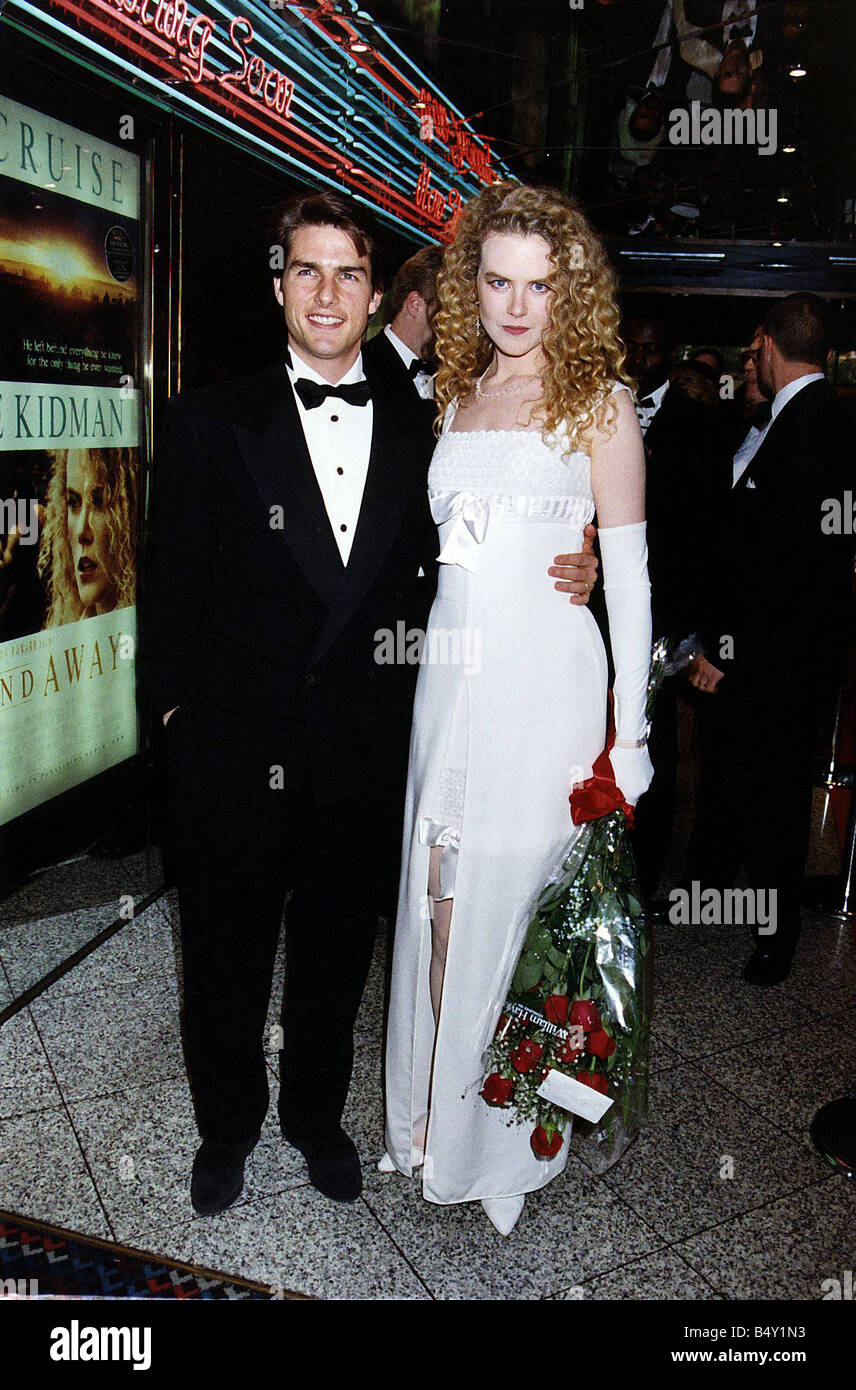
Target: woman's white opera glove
{"points": [[627, 591], [633, 771]]}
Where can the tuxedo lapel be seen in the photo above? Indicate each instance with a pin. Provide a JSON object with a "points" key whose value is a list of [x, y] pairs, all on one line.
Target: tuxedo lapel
{"points": [[276, 456], [396, 368], [763, 464], [381, 358]]}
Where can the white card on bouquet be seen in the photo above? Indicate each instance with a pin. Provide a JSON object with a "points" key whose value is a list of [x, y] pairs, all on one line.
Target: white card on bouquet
{"points": [[572, 1095]]}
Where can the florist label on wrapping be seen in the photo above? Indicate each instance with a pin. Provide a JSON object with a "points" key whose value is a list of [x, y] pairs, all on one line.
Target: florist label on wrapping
{"points": [[572, 1096], [574, 1035]]}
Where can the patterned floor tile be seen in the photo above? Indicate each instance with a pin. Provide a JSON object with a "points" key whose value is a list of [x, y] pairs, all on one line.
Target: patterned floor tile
{"points": [[26, 1080], [787, 1249], [569, 1231], [43, 1174], [298, 1240], [705, 1156]]}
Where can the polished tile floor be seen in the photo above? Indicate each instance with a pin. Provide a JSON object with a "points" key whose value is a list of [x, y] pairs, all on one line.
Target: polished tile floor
{"points": [[722, 1197]]}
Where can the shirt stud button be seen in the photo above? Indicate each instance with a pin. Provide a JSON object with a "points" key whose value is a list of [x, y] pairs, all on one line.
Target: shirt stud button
{"points": [[343, 527], [334, 419], [340, 470]]}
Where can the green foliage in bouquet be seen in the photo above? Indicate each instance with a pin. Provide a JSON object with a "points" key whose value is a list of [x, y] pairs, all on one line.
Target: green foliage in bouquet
{"points": [[578, 1001]]}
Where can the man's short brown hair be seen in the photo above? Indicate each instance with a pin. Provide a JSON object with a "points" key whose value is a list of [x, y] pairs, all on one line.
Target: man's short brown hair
{"points": [[329, 210], [802, 326], [419, 273]]}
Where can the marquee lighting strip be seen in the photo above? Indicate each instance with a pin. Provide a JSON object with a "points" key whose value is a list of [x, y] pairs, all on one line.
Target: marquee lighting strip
{"points": [[358, 98], [363, 61], [207, 115], [333, 75], [361, 141]]}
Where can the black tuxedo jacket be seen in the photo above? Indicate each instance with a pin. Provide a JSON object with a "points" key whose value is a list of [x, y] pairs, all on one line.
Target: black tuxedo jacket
{"points": [[687, 465], [783, 586], [247, 604], [381, 359]]}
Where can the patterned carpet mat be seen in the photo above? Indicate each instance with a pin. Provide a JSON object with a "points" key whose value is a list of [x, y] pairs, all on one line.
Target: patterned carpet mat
{"points": [[41, 1261]]}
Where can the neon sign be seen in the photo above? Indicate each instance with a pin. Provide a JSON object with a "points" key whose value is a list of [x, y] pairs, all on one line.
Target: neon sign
{"points": [[190, 38], [437, 121], [308, 85]]}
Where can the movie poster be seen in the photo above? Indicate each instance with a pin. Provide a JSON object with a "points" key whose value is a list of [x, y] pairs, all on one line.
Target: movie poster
{"points": [[70, 304]]}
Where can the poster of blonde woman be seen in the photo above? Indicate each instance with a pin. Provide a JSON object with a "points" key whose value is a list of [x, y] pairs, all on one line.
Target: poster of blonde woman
{"points": [[70, 281], [88, 542]]}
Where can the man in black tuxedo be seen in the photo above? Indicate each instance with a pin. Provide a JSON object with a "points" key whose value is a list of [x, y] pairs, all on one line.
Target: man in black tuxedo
{"points": [[650, 347], [291, 531], [402, 352], [686, 455], [779, 621]]}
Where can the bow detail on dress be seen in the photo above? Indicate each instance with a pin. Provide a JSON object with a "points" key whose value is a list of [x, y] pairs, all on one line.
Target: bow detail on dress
{"points": [[469, 515]]}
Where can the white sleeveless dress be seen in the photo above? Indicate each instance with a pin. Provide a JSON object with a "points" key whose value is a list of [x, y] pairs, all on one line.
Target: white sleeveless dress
{"points": [[510, 712]]}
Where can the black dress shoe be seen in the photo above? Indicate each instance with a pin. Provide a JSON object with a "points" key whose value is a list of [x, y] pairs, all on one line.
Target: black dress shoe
{"points": [[333, 1162], [218, 1175], [765, 967]]}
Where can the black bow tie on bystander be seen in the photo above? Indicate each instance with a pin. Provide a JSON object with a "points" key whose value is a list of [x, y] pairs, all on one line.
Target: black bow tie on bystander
{"points": [[312, 393], [421, 364], [647, 403]]}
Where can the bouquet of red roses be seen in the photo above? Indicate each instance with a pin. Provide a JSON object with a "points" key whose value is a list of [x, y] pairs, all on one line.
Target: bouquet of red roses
{"points": [[578, 1008]]}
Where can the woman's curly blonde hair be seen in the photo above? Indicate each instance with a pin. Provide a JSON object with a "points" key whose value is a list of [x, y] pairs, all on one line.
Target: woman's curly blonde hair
{"points": [[116, 472], [583, 352]]}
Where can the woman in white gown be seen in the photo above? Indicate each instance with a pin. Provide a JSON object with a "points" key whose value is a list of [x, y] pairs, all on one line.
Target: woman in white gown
{"points": [[538, 432]]}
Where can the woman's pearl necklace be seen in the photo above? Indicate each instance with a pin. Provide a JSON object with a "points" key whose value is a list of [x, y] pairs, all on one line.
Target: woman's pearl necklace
{"points": [[515, 385]]}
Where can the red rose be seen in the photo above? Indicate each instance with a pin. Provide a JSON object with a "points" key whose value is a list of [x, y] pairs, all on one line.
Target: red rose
{"points": [[595, 1079], [526, 1055], [545, 1145], [498, 1090], [600, 1044], [584, 1012], [567, 1054], [556, 1008]]}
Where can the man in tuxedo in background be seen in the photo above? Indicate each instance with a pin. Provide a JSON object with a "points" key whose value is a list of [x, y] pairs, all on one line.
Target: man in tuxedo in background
{"points": [[291, 527], [686, 455], [752, 410], [403, 351], [650, 346], [774, 644]]}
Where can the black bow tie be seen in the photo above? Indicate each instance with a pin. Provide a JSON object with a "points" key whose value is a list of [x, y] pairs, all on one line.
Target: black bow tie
{"points": [[420, 364], [648, 403], [312, 393], [740, 32]]}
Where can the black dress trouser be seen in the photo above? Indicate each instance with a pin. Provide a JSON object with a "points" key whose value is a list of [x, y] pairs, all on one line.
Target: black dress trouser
{"points": [[655, 814], [755, 795], [246, 830]]}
